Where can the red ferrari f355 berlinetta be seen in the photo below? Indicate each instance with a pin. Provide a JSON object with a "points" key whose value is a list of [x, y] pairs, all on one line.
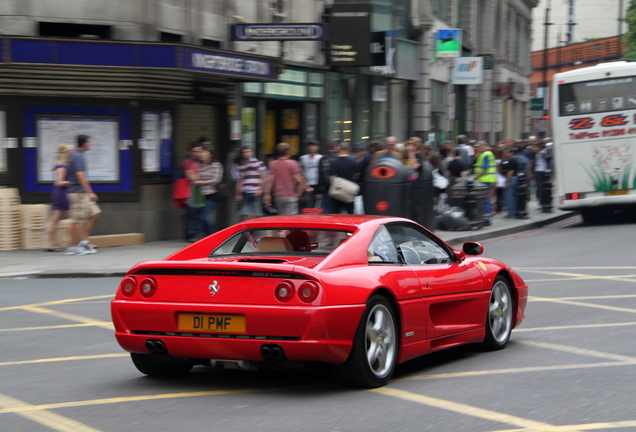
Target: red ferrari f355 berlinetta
{"points": [[361, 293]]}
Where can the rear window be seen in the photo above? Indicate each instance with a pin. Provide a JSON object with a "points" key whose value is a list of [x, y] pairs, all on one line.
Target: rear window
{"points": [[282, 241]]}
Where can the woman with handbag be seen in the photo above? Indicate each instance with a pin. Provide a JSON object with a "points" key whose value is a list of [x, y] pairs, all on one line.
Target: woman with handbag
{"points": [[343, 167], [206, 188]]}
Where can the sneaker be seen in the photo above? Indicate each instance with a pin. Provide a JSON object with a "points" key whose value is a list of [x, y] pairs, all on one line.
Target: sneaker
{"points": [[71, 251], [86, 246]]}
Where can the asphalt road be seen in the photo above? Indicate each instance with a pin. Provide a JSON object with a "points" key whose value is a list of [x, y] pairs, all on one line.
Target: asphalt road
{"points": [[571, 366]]}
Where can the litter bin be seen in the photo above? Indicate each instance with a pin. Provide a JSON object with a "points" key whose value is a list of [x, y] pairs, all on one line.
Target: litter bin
{"points": [[387, 189], [457, 198]]}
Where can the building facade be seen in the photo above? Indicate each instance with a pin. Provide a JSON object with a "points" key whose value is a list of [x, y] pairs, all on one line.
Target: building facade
{"points": [[146, 77], [497, 107]]}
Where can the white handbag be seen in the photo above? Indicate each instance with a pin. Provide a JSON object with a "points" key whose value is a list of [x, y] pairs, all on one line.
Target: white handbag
{"points": [[343, 189]]}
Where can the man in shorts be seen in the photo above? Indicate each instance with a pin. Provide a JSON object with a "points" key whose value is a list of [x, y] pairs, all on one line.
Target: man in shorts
{"points": [[83, 208]]}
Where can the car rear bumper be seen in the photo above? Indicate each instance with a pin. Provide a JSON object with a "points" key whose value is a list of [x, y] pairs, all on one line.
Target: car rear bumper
{"points": [[322, 334]]}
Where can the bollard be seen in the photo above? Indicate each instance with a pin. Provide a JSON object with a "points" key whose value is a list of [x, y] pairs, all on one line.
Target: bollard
{"points": [[522, 195], [470, 205], [546, 192]]}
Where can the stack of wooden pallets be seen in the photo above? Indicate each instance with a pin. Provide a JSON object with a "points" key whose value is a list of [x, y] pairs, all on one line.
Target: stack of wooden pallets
{"points": [[10, 214], [34, 221]]}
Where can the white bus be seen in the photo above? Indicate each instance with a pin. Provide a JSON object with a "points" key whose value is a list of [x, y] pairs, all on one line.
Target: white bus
{"points": [[594, 133]]}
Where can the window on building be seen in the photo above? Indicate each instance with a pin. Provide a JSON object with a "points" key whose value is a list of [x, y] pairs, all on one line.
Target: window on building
{"points": [[210, 43], [169, 37], [74, 30], [441, 9]]}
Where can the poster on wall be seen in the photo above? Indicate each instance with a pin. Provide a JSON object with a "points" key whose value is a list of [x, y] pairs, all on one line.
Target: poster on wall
{"points": [[150, 146], [3, 135], [103, 157], [166, 141], [249, 127]]}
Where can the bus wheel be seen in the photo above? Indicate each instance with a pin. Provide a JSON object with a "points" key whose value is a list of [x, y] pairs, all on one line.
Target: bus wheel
{"points": [[592, 215]]}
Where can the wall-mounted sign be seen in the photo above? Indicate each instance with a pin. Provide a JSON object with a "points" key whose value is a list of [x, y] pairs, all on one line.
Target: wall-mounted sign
{"points": [[228, 64], [449, 43], [350, 41], [467, 71], [273, 32], [489, 61]]}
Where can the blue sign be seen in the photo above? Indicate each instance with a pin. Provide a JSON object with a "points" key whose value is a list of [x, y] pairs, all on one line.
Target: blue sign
{"points": [[280, 32], [137, 55], [228, 64]]}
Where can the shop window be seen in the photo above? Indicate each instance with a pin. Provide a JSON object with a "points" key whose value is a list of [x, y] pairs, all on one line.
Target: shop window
{"points": [[68, 30]]}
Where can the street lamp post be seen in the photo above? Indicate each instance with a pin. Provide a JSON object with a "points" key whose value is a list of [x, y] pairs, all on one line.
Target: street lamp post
{"points": [[545, 58]]}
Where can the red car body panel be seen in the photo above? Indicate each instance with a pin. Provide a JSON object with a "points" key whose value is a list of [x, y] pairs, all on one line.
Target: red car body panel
{"points": [[438, 306]]}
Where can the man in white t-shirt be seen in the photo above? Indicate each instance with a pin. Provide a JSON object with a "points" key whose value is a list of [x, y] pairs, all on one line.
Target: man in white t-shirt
{"points": [[310, 164]]}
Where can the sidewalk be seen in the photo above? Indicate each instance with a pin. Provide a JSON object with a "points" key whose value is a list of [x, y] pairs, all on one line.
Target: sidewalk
{"points": [[116, 261]]}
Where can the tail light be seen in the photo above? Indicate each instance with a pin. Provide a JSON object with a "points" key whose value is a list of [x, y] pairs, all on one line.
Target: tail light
{"points": [[284, 291], [148, 287], [128, 286], [308, 291]]}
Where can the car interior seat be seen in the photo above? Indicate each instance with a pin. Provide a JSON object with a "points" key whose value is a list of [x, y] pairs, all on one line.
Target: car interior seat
{"points": [[274, 244]]}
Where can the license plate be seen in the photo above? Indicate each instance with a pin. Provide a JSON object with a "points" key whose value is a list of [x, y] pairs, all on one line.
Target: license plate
{"points": [[617, 192], [212, 323]]}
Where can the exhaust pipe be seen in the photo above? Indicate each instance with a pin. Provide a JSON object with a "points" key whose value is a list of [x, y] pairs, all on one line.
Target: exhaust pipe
{"points": [[277, 352], [271, 351], [265, 351], [156, 346]]}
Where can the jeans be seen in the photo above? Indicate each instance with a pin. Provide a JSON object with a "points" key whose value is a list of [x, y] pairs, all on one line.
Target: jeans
{"points": [[337, 206], [191, 222], [487, 200], [511, 196], [204, 215]]}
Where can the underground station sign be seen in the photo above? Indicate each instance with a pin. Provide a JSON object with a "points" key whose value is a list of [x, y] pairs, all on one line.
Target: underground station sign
{"points": [[282, 32]]}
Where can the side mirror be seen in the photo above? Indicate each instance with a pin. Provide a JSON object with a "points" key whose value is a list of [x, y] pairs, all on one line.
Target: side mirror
{"points": [[472, 248]]}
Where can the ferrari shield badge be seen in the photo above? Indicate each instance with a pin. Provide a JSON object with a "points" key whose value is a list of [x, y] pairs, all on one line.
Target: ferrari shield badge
{"points": [[482, 265]]}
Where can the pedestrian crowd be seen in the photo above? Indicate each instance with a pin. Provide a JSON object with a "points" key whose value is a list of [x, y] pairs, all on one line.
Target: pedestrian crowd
{"points": [[333, 182]]}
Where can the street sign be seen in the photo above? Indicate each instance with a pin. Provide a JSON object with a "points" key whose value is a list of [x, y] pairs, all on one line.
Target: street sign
{"points": [[542, 125], [350, 41], [278, 32], [536, 104], [489, 61], [449, 43], [467, 71]]}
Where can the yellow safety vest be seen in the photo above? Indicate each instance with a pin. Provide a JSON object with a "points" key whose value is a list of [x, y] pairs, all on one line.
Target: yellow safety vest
{"points": [[490, 175]]}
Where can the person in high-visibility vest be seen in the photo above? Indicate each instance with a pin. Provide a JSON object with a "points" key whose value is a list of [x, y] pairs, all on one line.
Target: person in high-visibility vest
{"points": [[485, 172]]}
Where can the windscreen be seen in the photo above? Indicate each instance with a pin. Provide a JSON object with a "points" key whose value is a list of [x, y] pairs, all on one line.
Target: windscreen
{"points": [[282, 241], [588, 97]]}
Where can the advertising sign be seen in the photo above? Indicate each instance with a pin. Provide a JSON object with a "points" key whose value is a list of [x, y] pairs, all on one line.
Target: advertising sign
{"points": [[468, 70], [350, 42], [449, 43], [280, 32]]}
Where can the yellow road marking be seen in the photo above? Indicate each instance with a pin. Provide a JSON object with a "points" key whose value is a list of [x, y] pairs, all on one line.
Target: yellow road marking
{"points": [[583, 427], [575, 303], [570, 327], [580, 276], [43, 417], [56, 302], [516, 370], [461, 408], [70, 317], [579, 351], [46, 327], [61, 359], [133, 399], [579, 268], [605, 297]]}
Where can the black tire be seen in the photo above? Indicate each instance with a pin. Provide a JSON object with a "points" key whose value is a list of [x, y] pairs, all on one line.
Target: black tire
{"points": [[500, 315], [155, 366], [593, 216], [375, 347]]}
